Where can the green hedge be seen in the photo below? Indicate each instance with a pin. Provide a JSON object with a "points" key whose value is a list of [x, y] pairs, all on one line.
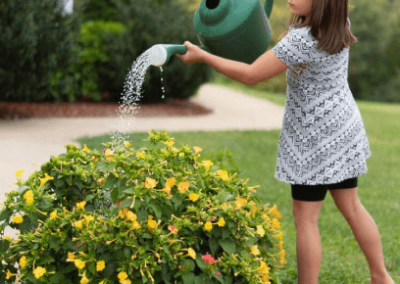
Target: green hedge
{"points": [[48, 57], [148, 23], [35, 42]]}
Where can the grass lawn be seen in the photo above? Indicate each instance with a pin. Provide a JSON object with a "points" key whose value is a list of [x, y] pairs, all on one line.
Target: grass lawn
{"points": [[255, 153]]}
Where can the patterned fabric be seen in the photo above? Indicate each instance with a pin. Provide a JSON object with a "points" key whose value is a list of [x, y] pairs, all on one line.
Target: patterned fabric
{"points": [[323, 138]]}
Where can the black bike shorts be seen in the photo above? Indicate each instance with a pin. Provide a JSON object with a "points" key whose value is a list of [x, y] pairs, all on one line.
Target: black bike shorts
{"points": [[318, 192]]}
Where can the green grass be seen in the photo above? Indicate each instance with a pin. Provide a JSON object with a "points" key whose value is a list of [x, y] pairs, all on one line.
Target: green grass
{"points": [[255, 153]]}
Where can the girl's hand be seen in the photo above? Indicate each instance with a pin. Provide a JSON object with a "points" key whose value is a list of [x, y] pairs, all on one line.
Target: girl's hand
{"points": [[193, 55]]}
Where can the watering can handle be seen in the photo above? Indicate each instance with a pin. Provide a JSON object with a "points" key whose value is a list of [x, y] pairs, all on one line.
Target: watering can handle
{"points": [[268, 7]]}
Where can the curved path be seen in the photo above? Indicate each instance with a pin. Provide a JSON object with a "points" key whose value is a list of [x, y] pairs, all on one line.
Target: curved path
{"points": [[26, 144]]}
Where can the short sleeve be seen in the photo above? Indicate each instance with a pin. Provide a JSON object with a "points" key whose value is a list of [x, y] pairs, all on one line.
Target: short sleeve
{"points": [[294, 48]]}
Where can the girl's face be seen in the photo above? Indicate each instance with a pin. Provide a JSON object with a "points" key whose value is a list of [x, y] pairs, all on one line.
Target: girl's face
{"points": [[301, 8]]}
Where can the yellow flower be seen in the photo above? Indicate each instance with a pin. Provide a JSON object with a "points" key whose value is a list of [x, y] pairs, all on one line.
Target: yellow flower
{"points": [[122, 212], [78, 224], [127, 281], [140, 154], [191, 253], [171, 182], [84, 280], [28, 196], [23, 261], [208, 226], [255, 250], [222, 175], [240, 202], [45, 179], [136, 225], [279, 245], [71, 256], [221, 222], [279, 236], [17, 219], [86, 149], [193, 197], [275, 224], [79, 263], [9, 274], [100, 265], [207, 164], [109, 154], [260, 230], [152, 224], [101, 282], [7, 238], [122, 275], [197, 150], [81, 205], [170, 142], [19, 173], [266, 217], [127, 144], [53, 215], [274, 211], [88, 218], [166, 189], [131, 216], [183, 186], [150, 183], [39, 271]]}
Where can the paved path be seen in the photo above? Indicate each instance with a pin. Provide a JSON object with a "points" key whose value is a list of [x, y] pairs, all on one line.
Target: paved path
{"points": [[26, 144]]}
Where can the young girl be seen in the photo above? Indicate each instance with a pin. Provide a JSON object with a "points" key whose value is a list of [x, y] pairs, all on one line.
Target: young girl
{"points": [[323, 144]]}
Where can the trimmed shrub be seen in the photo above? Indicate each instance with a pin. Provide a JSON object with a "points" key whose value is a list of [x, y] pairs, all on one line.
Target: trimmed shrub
{"points": [[158, 214], [35, 43]]}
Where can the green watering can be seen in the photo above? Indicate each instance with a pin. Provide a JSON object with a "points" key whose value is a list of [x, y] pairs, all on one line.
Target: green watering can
{"points": [[233, 29]]}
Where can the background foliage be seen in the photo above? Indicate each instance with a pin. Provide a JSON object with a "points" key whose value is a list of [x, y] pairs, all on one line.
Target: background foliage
{"points": [[43, 58], [35, 42]]}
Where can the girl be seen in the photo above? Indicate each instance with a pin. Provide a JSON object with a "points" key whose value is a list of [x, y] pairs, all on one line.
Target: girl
{"points": [[323, 144]]}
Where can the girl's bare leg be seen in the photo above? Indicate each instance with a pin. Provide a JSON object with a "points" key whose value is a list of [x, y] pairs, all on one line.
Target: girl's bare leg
{"points": [[308, 243], [365, 231]]}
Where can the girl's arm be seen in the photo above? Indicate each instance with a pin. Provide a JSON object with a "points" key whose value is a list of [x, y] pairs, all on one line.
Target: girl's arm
{"points": [[265, 67]]}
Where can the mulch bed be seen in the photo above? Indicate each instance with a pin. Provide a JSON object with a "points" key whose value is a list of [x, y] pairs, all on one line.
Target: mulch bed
{"points": [[24, 110]]}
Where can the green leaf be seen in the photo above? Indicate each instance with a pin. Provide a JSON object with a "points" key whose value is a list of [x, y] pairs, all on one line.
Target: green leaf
{"points": [[233, 163], [165, 272], [223, 196], [228, 279], [125, 203], [219, 278], [190, 263], [202, 279], [228, 245], [156, 210], [188, 278], [127, 252], [200, 261], [213, 245], [115, 194], [176, 201], [92, 268], [110, 181], [4, 245], [5, 214], [147, 236], [200, 182], [89, 197], [225, 233]]}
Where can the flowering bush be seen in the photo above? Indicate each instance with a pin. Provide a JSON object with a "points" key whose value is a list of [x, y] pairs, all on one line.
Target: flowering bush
{"points": [[158, 214]]}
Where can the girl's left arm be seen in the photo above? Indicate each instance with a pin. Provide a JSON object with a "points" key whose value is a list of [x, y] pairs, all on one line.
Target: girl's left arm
{"points": [[265, 67]]}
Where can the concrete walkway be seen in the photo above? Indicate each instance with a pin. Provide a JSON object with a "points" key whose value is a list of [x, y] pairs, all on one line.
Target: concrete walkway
{"points": [[26, 144]]}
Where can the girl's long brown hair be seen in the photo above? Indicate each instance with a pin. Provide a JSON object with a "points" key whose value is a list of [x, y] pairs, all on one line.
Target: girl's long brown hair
{"points": [[328, 24]]}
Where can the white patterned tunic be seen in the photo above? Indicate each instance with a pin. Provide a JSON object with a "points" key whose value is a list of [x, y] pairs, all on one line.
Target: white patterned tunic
{"points": [[323, 138]]}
